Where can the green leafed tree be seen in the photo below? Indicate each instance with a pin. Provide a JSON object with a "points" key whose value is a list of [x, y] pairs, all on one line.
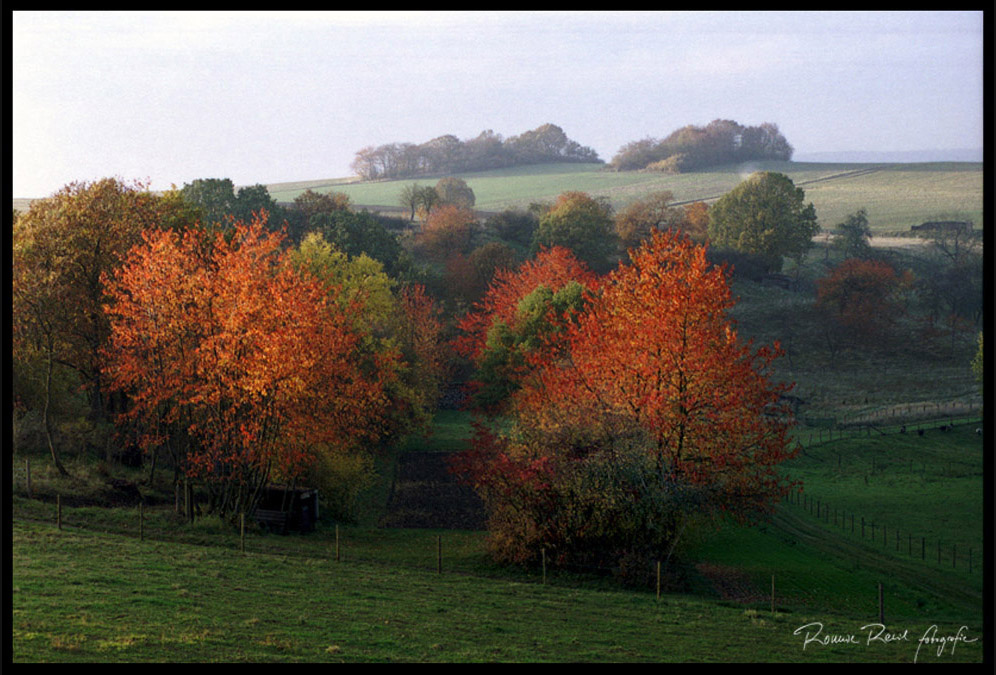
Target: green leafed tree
{"points": [[455, 191], [853, 235], [581, 223], [765, 215]]}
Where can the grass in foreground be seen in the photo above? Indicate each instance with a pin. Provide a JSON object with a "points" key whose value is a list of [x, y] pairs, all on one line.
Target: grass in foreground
{"points": [[85, 596]]}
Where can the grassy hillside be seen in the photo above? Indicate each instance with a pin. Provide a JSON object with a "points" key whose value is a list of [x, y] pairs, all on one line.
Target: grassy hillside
{"points": [[93, 591], [895, 195]]}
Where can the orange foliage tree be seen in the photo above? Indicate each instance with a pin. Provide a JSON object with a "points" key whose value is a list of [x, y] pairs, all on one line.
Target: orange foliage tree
{"points": [[553, 267], [652, 411], [696, 223], [862, 295], [446, 232], [235, 360]]}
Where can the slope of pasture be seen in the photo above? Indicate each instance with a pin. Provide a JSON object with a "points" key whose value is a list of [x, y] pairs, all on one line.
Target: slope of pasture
{"points": [[85, 596], [925, 485], [902, 369], [895, 195]]}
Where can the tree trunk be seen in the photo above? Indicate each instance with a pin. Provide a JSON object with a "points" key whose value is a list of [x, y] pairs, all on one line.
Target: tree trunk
{"points": [[45, 415]]}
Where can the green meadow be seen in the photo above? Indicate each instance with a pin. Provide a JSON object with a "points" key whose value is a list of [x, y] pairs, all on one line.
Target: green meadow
{"points": [[896, 196], [106, 587]]}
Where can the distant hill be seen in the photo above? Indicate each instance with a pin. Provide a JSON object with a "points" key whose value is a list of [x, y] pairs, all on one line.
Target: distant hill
{"points": [[898, 157]]}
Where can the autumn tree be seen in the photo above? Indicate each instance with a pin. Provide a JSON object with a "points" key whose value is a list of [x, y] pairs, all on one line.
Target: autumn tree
{"points": [[541, 318], [651, 411], [553, 268], [696, 221], [447, 232], [417, 326], [62, 248], [862, 296], [392, 319], [654, 212], [581, 223], [237, 360], [764, 215]]}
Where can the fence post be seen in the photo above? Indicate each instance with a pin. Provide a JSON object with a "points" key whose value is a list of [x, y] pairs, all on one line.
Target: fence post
{"points": [[141, 521], [658, 581], [337, 542], [439, 554], [27, 468], [772, 594], [543, 553], [954, 556], [58, 511], [881, 606], [242, 532]]}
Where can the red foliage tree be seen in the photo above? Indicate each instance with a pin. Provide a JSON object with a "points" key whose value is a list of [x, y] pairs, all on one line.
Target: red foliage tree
{"points": [[235, 360], [499, 309], [553, 268], [653, 409], [863, 295]]}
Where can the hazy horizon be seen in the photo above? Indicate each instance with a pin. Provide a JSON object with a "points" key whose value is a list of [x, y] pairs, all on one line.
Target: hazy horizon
{"points": [[269, 97]]}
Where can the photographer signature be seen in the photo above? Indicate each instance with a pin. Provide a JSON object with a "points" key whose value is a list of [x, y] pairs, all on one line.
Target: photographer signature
{"points": [[813, 633]]}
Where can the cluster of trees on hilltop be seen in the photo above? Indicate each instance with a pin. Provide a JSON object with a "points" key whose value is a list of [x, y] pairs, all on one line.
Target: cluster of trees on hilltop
{"points": [[693, 147], [448, 154]]}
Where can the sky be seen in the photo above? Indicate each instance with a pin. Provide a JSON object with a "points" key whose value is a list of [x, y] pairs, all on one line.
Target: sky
{"points": [[265, 97]]}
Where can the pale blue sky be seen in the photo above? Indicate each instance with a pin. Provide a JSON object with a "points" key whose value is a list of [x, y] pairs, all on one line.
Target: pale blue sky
{"points": [[272, 97]]}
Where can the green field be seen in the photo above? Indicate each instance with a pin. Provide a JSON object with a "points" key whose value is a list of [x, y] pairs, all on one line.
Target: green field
{"points": [[896, 196], [93, 591]]}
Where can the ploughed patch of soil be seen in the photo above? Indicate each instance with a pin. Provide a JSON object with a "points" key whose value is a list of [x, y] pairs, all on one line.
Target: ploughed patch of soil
{"points": [[730, 583], [426, 495]]}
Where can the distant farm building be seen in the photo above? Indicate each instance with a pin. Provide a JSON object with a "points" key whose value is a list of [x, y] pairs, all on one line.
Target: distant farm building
{"points": [[282, 509], [943, 226]]}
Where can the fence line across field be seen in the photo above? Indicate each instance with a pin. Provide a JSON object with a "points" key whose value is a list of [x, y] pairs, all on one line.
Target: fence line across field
{"points": [[857, 524]]}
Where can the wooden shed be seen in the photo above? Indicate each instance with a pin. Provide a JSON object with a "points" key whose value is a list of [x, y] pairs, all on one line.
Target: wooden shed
{"points": [[283, 509]]}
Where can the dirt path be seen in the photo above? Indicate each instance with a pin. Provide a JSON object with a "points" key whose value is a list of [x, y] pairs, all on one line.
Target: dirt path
{"points": [[426, 495]]}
